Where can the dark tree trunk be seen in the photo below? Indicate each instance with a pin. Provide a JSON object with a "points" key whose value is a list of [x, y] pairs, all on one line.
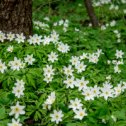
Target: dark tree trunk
{"points": [[16, 16], [91, 13]]}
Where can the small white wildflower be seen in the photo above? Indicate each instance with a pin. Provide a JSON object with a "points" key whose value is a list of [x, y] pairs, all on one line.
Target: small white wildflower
{"points": [[10, 49], [80, 113], [56, 116], [17, 110]]}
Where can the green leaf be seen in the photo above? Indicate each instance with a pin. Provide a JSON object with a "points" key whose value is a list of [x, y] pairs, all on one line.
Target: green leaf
{"points": [[30, 80], [121, 123], [37, 116], [120, 114], [2, 113]]}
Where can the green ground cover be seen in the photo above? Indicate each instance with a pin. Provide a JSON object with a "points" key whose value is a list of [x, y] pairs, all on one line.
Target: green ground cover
{"points": [[67, 73]]}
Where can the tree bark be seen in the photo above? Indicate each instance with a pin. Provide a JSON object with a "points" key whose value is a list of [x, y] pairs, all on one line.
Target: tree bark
{"points": [[16, 16], [91, 13]]}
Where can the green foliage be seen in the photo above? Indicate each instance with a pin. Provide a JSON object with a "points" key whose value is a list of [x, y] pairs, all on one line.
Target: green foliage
{"points": [[86, 40]]}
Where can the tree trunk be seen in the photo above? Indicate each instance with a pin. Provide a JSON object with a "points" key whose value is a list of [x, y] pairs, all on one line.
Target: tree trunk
{"points": [[16, 16], [91, 13]]}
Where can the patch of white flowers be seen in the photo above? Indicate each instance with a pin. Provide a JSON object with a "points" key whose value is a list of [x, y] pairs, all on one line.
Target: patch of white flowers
{"points": [[41, 25], [77, 64], [17, 63], [17, 110], [111, 24], [118, 35], [63, 23], [119, 61], [48, 73], [77, 107]]}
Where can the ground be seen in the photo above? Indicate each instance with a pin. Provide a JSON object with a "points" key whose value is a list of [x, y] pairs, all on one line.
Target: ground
{"points": [[67, 73]]}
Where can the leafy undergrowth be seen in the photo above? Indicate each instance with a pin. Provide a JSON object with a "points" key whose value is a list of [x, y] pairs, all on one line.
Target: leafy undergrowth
{"points": [[67, 73]]}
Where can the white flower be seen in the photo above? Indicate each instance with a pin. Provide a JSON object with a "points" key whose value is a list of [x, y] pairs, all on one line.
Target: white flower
{"points": [[103, 27], [14, 123], [70, 82], [2, 67], [35, 39], [83, 56], [112, 23], [77, 30], [117, 69], [51, 98], [106, 92], [108, 77], [75, 104], [29, 59], [18, 91], [46, 18], [89, 95], [75, 60], [118, 89], [17, 110], [10, 49], [80, 5], [52, 57], [55, 24], [118, 35], [80, 67], [54, 37], [49, 101], [81, 83], [107, 84], [80, 113], [64, 29], [96, 91], [99, 52], [108, 62], [64, 48], [116, 31], [46, 40], [19, 88], [93, 58], [56, 116], [17, 64], [118, 40], [61, 22], [104, 121], [68, 70], [48, 79], [20, 38], [119, 54], [19, 82], [10, 36], [31, 40], [123, 1], [48, 70], [111, 7], [2, 37]]}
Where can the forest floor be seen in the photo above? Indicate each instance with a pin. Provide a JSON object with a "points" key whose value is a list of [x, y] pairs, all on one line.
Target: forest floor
{"points": [[68, 73]]}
